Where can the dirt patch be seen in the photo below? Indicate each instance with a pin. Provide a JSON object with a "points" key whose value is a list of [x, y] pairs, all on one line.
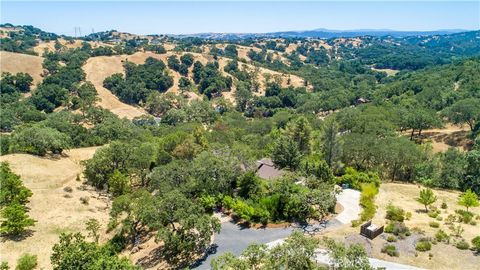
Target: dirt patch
{"points": [[55, 210], [19, 62], [450, 136], [390, 72]]}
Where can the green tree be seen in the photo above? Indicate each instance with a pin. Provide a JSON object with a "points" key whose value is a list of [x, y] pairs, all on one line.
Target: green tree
{"points": [[466, 111], [93, 226], [331, 144], [72, 252], [296, 252], [187, 59], [426, 198], [249, 185], [468, 199], [40, 140], [87, 96], [418, 119], [300, 132], [118, 183], [344, 257], [15, 220], [285, 153], [12, 189]]}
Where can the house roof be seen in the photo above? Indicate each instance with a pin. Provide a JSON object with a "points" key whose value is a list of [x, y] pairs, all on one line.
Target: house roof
{"points": [[266, 169]]}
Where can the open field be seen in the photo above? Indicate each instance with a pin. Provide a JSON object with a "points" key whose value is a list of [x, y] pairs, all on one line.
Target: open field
{"points": [[19, 62], [403, 195], [55, 210]]}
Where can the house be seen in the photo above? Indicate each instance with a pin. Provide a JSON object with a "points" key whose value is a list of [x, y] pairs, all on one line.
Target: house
{"points": [[267, 170]]}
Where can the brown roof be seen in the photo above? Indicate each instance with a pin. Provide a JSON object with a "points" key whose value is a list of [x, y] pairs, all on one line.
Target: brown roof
{"points": [[267, 170]]}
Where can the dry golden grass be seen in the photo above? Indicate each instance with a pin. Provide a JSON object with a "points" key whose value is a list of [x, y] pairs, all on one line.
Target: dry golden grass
{"points": [[47, 177], [390, 72], [50, 45], [18, 62], [449, 136], [99, 68], [445, 257], [403, 195]]}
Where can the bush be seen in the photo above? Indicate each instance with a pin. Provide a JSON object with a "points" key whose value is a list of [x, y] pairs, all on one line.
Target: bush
{"points": [[391, 238], [439, 218], [356, 222], [423, 245], [442, 236], [26, 262], [473, 223], [444, 205], [395, 213], [434, 224], [355, 179], [408, 215], [68, 189], [390, 250], [464, 216], [451, 218], [397, 228], [84, 199], [367, 201], [476, 243], [462, 244], [4, 266], [433, 213]]}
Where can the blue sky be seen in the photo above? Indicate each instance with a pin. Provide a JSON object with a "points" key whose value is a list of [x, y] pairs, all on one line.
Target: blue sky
{"points": [[182, 17]]}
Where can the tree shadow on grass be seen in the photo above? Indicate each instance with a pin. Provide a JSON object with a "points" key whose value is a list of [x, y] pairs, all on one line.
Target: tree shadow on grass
{"points": [[17, 238]]}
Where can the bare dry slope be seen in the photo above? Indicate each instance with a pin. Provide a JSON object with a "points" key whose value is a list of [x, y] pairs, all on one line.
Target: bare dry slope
{"points": [[54, 212], [101, 67], [19, 62]]}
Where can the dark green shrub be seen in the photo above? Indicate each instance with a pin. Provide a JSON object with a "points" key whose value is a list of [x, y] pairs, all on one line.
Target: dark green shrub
{"points": [[26, 262], [390, 250], [476, 243], [395, 213], [4, 266], [462, 244], [444, 205]]}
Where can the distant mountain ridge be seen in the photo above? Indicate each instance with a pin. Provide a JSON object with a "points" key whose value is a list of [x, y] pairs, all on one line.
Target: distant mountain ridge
{"points": [[321, 33]]}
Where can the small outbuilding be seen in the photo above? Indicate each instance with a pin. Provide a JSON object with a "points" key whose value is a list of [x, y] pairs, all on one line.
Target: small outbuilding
{"points": [[370, 230]]}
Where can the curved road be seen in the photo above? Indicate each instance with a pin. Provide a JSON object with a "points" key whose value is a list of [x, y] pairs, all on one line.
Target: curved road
{"points": [[234, 238]]}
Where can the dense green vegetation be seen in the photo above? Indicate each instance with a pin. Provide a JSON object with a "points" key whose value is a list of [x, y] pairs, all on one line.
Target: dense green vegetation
{"points": [[13, 199], [348, 125]]}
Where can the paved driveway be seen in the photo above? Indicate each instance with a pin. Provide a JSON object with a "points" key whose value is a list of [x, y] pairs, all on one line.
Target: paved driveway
{"points": [[234, 238]]}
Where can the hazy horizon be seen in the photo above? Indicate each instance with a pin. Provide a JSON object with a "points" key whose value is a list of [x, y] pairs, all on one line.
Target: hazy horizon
{"points": [[160, 17]]}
